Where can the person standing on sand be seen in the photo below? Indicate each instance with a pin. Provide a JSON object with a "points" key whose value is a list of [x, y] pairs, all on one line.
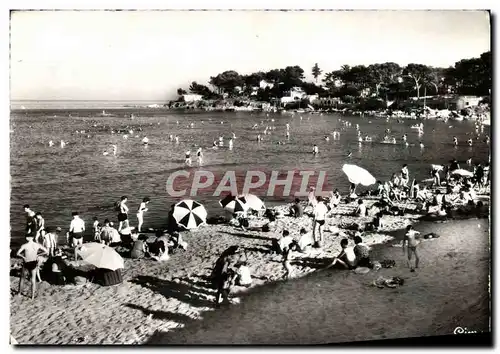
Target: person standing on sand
{"points": [[50, 240], [143, 207], [320, 212], [30, 262], [315, 150], [96, 229], [76, 231], [123, 214], [410, 237]]}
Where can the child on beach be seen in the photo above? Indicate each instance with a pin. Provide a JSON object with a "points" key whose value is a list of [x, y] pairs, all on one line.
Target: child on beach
{"points": [[50, 240], [29, 252], [362, 253], [346, 258], [410, 237], [140, 213], [188, 158], [96, 229]]}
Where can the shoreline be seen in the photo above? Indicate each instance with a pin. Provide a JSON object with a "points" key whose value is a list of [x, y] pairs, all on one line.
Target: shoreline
{"points": [[169, 284]]}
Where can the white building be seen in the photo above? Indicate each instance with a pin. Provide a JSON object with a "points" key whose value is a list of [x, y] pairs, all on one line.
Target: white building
{"points": [[263, 84], [192, 97]]}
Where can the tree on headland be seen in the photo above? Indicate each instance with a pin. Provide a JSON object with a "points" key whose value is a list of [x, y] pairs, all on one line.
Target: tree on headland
{"points": [[316, 71], [200, 90], [227, 81], [181, 91], [419, 73], [382, 75]]}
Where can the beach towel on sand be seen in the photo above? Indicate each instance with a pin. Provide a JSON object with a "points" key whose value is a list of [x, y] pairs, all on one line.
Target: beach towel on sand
{"points": [[392, 282]]}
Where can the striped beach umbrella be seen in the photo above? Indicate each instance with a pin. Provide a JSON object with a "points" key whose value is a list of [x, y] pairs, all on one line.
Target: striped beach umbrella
{"points": [[234, 204], [189, 214], [253, 202]]}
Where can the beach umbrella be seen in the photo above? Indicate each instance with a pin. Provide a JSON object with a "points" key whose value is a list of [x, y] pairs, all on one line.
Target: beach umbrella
{"points": [[437, 167], [358, 175], [101, 256], [253, 202], [234, 204], [462, 172], [189, 214]]}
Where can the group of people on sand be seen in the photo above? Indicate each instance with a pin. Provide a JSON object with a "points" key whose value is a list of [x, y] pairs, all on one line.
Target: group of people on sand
{"points": [[43, 241]]}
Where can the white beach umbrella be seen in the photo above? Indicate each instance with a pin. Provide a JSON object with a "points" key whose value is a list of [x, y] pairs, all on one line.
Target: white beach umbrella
{"points": [[462, 172], [189, 214], [358, 175], [101, 256], [437, 167], [234, 204], [253, 202]]}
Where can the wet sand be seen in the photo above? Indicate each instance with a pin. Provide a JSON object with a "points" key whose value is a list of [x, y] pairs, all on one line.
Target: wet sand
{"points": [[172, 303]]}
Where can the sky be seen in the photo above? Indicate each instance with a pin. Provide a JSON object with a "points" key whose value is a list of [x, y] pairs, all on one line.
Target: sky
{"points": [[147, 55]]}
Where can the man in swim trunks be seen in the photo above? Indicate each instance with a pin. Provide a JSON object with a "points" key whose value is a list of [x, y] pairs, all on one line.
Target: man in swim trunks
{"points": [[30, 264], [123, 215], [410, 237], [76, 230], [320, 211]]}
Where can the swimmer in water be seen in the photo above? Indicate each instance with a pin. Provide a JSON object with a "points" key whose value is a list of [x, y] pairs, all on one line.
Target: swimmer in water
{"points": [[188, 158], [115, 149], [360, 139], [63, 144], [287, 126], [367, 138], [421, 145], [51, 143], [393, 140], [455, 141], [176, 139], [327, 138], [171, 137], [469, 142], [259, 138], [145, 141], [214, 145], [230, 144], [357, 126], [315, 150], [221, 141], [192, 125], [405, 137], [234, 136], [199, 155], [287, 134]]}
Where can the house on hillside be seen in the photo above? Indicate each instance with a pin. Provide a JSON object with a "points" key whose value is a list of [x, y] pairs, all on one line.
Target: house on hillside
{"points": [[296, 93], [192, 97], [263, 84], [462, 102], [327, 101]]}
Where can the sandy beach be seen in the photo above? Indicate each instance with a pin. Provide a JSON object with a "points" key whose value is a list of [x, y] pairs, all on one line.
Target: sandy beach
{"points": [[172, 302]]}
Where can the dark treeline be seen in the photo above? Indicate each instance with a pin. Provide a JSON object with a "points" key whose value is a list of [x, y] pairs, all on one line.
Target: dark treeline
{"points": [[384, 81]]}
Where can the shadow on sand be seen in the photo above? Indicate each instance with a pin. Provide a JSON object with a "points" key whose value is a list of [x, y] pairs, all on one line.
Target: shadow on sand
{"points": [[183, 292]]}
